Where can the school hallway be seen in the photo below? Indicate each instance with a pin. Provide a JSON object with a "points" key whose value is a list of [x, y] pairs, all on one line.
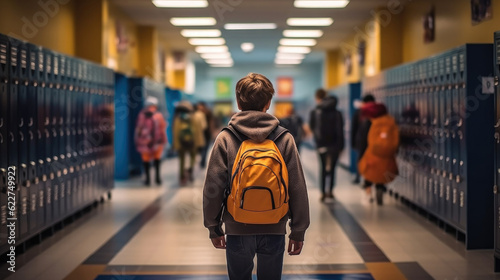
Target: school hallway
{"points": [[146, 233]]}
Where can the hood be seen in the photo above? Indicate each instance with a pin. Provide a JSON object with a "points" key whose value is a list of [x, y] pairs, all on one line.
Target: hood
{"points": [[184, 106], [254, 124], [373, 110], [329, 103]]}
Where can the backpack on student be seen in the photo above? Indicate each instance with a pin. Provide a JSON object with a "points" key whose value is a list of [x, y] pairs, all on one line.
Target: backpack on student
{"points": [[383, 137], [258, 187], [186, 133], [145, 132]]}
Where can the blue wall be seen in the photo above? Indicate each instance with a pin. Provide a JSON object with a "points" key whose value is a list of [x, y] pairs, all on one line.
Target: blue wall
{"points": [[307, 78]]}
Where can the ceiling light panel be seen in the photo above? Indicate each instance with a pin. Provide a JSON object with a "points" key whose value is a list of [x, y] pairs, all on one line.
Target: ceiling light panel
{"points": [[215, 55], [320, 3], [180, 3], [287, 61], [284, 49], [221, 65], [247, 47], [302, 33], [193, 21], [201, 33], [298, 42], [290, 55], [309, 21], [207, 41], [249, 26], [211, 49], [220, 61]]}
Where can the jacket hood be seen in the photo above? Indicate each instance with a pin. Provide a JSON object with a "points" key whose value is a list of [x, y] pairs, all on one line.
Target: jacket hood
{"points": [[373, 110], [329, 103], [184, 106], [254, 124]]}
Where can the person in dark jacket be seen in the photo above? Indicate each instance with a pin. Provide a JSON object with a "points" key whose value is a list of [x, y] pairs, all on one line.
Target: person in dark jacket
{"points": [[327, 126], [359, 132]]}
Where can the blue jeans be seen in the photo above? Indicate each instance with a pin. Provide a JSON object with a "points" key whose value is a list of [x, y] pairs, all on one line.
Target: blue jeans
{"points": [[241, 250]]}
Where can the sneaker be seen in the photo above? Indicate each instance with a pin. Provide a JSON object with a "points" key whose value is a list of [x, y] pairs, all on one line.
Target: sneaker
{"points": [[323, 198], [330, 195]]}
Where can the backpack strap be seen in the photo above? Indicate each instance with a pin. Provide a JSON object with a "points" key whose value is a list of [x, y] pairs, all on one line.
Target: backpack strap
{"points": [[277, 133]]}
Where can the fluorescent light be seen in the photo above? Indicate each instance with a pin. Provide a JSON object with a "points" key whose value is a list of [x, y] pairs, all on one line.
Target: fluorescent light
{"points": [[320, 3], [221, 65], [287, 61], [302, 33], [248, 26], [309, 21], [207, 41], [211, 49], [215, 55], [201, 33], [220, 61], [298, 42], [193, 21], [247, 47], [283, 49], [180, 4], [290, 55]]}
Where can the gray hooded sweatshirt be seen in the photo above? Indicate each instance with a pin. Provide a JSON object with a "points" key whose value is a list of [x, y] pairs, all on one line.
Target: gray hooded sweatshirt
{"points": [[256, 126]]}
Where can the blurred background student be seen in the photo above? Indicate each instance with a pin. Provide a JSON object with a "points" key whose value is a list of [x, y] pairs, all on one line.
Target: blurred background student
{"points": [[150, 137]]}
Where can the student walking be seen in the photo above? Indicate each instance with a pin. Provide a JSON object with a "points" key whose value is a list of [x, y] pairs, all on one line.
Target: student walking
{"points": [[295, 125], [359, 132], [188, 138], [150, 137], [378, 164], [258, 204], [327, 125]]}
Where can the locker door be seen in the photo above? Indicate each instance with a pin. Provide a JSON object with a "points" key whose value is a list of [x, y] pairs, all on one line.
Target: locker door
{"points": [[48, 129], [32, 137], [14, 125], [497, 154], [4, 134], [23, 145], [41, 138], [461, 179]]}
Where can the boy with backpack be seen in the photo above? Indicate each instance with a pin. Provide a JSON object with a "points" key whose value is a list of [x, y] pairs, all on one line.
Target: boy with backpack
{"points": [[254, 184], [378, 164]]}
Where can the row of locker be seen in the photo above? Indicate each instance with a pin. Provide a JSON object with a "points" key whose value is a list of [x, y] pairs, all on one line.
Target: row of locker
{"points": [[56, 131], [443, 107]]}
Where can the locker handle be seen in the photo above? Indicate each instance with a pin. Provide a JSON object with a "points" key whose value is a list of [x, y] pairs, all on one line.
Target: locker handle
{"points": [[495, 189], [31, 135], [12, 137], [31, 122], [1, 122], [497, 125], [21, 123]]}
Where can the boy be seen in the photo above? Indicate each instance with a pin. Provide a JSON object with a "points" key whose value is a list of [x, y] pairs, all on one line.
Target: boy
{"points": [[253, 95]]}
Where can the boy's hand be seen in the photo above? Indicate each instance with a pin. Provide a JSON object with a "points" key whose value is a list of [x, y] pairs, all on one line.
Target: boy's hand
{"points": [[219, 242], [295, 247]]}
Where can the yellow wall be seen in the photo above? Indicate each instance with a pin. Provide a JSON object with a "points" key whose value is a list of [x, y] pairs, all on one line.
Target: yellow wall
{"points": [[453, 27], [90, 18], [123, 58], [51, 26]]}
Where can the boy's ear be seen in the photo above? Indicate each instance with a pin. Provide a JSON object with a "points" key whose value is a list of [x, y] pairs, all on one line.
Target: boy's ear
{"points": [[239, 107], [267, 106]]}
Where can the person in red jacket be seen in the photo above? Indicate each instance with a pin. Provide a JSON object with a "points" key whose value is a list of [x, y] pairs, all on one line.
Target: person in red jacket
{"points": [[378, 164], [151, 137]]}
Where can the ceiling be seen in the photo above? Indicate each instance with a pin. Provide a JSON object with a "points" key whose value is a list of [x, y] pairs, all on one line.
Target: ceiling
{"points": [[266, 42]]}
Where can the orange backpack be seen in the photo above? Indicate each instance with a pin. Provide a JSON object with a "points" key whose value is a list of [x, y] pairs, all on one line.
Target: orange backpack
{"points": [[258, 191], [383, 137]]}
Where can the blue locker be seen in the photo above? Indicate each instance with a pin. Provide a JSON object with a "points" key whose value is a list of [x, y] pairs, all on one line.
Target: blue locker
{"points": [[4, 135], [497, 155], [32, 118], [48, 132]]}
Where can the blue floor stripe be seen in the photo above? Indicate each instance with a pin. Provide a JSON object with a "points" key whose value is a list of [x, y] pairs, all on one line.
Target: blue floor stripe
{"points": [[363, 276]]}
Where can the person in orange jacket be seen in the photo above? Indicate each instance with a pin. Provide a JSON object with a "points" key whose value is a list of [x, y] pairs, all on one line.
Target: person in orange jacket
{"points": [[378, 164]]}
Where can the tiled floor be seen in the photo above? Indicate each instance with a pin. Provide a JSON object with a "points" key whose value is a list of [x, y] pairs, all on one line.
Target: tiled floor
{"points": [[147, 233]]}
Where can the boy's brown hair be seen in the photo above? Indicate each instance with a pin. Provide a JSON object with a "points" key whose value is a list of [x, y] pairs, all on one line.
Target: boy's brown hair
{"points": [[320, 94], [253, 92]]}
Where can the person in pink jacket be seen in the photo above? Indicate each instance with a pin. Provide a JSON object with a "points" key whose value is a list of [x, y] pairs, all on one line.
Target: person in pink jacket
{"points": [[150, 137]]}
